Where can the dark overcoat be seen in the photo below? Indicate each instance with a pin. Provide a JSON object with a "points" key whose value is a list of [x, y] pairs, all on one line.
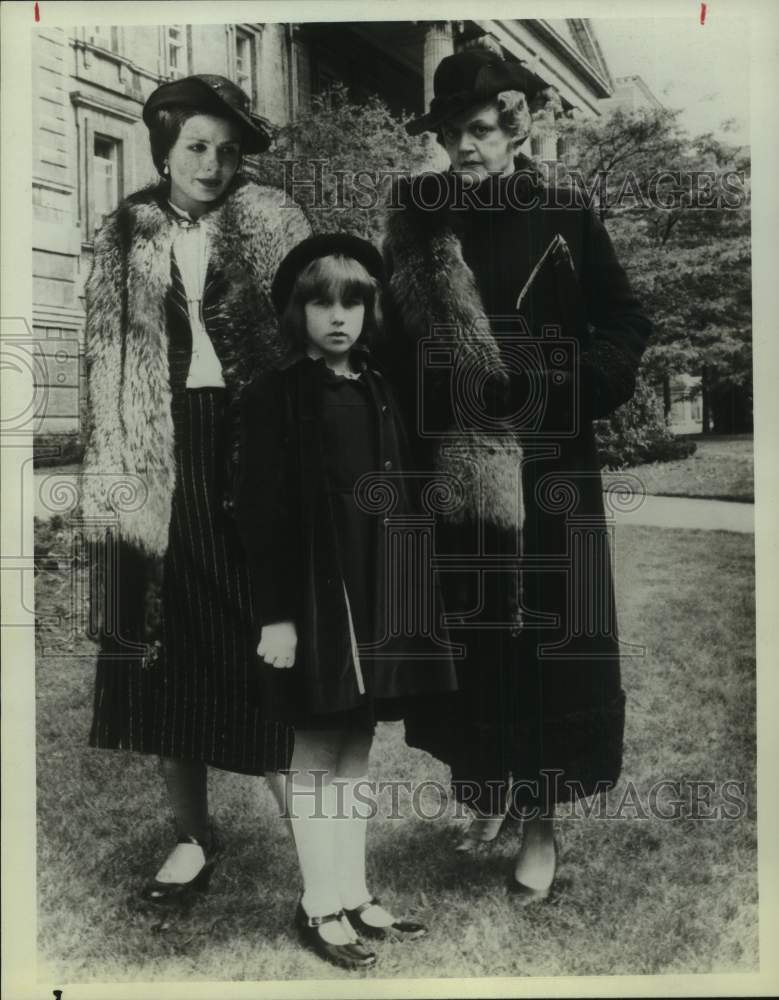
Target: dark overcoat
{"points": [[548, 700], [286, 518]]}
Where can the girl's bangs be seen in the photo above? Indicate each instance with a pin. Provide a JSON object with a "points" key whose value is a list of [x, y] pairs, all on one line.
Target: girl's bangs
{"points": [[334, 277]]}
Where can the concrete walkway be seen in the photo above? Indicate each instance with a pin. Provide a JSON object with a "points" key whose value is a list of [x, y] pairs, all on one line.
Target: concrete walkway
{"points": [[691, 513]]}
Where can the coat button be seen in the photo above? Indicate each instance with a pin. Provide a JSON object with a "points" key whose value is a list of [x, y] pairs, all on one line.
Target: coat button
{"points": [[228, 504], [387, 465], [384, 409]]}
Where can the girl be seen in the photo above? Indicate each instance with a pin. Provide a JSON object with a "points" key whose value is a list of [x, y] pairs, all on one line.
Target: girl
{"points": [[178, 320], [310, 432]]}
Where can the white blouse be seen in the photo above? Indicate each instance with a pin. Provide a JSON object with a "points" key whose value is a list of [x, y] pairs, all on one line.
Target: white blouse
{"points": [[191, 250]]}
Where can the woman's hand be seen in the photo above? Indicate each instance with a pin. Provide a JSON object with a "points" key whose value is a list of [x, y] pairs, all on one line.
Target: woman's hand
{"points": [[278, 643]]}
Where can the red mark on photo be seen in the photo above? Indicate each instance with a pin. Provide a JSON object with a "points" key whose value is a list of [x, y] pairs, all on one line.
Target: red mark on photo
{"points": [[37, 12], [703, 12]]}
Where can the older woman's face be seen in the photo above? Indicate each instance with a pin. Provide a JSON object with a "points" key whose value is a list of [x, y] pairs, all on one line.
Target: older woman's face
{"points": [[203, 161], [477, 144]]}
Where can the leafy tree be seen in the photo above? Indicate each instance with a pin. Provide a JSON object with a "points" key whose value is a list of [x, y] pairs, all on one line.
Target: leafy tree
{"points": [[678, 212]]}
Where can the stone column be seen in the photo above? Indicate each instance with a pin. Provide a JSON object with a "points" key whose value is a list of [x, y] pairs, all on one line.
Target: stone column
{"points": [[439, 42], [546, 108], [548, 147]]}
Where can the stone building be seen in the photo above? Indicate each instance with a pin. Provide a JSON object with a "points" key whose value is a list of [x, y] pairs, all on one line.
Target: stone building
{"points": [[631, 94], [90, 148]]}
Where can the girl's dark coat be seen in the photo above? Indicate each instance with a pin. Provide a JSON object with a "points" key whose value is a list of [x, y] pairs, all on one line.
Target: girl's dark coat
{"points": [[289, 530], [450, 273]]}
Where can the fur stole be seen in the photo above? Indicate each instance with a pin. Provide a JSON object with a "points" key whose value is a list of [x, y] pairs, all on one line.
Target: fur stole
{"points": [[435, 298], [129, 465]]}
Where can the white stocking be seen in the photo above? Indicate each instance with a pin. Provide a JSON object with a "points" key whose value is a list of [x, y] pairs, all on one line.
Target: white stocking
{"points": [[352, 826], [311, 807]]}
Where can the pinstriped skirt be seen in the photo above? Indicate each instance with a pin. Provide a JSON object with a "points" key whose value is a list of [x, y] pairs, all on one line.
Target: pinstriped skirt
{"points": [[198, 700]]}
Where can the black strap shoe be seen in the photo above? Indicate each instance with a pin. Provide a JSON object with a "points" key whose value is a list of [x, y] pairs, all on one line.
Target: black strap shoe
{"points": [[179, 893], [353, 955], [409, 930]]}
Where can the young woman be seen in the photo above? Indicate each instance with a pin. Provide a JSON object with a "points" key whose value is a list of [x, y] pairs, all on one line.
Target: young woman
{"points": [[320, 438], [179, 319]]}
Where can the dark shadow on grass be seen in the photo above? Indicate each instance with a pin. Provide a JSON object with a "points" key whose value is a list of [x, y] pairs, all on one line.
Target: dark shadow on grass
{"points": [[422, 858]]}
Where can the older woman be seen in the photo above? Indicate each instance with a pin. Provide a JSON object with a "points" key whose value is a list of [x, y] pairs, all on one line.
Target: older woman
{"points": [[536, 332], [179, 319]]}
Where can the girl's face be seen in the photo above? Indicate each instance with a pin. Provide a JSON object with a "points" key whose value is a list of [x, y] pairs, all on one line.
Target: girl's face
{"points": [[203, 161], [333, 326]]}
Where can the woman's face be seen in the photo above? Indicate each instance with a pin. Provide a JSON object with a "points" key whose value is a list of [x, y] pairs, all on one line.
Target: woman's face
{"points": [[477, 144], [203, 161], [333, 326]]}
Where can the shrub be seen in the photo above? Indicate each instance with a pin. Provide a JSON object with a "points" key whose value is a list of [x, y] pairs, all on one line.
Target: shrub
{"points": [[355, 149], [53, 450], [637, 432]]}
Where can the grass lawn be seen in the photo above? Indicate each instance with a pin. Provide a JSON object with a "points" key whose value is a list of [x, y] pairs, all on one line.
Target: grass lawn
{"points": [[722, 468], [636, 895]]}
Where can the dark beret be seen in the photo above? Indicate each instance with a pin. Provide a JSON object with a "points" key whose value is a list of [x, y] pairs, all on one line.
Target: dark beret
{"points": [[323, 245], [212, 94]]}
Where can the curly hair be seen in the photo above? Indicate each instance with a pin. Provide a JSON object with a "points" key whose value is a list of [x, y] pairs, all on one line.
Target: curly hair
{"points": [[513, 115]]}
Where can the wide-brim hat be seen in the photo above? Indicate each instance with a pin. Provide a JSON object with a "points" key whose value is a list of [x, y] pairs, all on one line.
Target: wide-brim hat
{"points": [[213, 94], [469, 78], [322, 245]]}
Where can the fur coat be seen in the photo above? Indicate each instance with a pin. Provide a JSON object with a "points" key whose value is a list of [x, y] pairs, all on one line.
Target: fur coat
{"points": [[549, 698], [461, 402], [129, 465]]}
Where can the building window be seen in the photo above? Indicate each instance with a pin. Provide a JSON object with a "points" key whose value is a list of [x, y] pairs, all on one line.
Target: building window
{"points": [[246, 63], [176, 50], [105, 37], [106, 171]]}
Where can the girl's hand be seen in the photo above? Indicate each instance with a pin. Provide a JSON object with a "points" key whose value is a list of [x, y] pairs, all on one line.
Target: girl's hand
{"points": [[278, 643]]}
